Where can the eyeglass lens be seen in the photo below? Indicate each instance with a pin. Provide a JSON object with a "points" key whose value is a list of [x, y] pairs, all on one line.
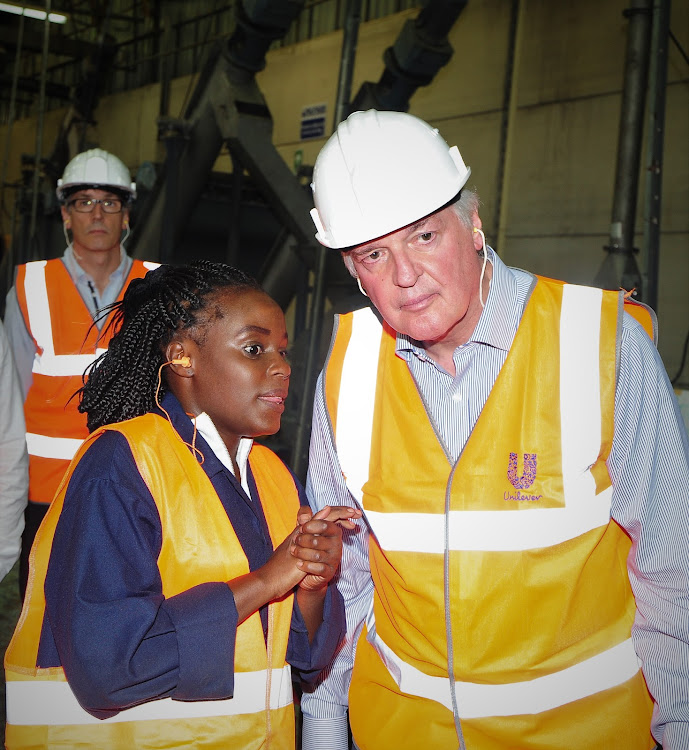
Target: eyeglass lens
{"points": [[86, 205]]}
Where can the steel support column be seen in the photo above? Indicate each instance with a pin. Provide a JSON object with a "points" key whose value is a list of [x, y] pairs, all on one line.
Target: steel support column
{"points": [[344, 91], [660, 37], [620, 269]]}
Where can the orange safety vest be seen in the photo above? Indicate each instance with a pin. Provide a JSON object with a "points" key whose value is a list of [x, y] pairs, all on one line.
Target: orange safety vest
{"points": [[197, 547], [67, 342], [502, 609]]}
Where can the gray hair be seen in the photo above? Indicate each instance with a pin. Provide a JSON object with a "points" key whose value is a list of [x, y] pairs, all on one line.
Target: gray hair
{"points": [[466, 206]]}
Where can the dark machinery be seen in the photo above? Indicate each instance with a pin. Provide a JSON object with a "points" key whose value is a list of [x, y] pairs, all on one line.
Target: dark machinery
{"points": [[228, 110]]}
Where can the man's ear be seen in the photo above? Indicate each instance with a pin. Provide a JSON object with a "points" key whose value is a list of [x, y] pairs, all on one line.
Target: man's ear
{"points": [[477, 226]]}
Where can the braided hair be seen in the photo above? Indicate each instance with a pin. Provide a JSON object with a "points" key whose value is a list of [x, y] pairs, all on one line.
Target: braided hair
{"points": [[122, 382]]}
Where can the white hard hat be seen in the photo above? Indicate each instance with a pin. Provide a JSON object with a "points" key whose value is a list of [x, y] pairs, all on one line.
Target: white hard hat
{"points": [[379, 172], [96, 168]]}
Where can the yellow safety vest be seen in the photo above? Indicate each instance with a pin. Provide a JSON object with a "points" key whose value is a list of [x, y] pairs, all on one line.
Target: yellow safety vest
{"points": [[538, 604], [197, 547]]}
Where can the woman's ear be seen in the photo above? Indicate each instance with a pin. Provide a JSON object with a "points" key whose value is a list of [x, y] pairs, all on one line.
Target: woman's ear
{"points": [[180, 361]]}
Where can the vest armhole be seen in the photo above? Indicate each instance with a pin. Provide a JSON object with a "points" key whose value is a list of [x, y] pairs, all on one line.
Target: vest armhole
{"points": [[645, 316]]}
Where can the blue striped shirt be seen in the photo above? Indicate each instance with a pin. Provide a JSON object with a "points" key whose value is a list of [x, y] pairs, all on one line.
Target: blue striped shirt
{"points": [[648, 465]]}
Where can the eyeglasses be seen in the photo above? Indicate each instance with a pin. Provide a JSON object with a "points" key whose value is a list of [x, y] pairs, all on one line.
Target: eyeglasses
{"points": [[86, 205]]}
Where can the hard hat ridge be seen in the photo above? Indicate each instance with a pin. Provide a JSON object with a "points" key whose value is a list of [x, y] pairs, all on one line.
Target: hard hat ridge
{"points": [[96, 168], [379, 172]]}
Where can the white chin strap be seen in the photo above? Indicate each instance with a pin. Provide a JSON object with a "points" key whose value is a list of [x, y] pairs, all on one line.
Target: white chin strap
{"points": [[127, 232], [361, 288], [483, 267]]}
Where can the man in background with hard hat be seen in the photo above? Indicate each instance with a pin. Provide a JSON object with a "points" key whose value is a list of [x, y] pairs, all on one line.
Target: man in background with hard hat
{"points": [[520, 578], [53, 324]]}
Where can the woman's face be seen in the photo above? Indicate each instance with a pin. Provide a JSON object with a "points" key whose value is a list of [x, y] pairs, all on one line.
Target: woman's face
{"points": [[240, 371]]}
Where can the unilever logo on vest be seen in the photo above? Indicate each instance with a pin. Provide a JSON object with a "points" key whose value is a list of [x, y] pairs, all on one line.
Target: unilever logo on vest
{"points": [[523, 482]]}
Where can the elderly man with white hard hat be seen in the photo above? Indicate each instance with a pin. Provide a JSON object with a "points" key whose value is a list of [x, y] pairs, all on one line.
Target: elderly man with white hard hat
{"points": [[520, 576], [50, 315]]}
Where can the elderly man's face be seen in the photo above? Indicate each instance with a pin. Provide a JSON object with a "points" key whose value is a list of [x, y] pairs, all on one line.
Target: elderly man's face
{"points": [[424, 278]]}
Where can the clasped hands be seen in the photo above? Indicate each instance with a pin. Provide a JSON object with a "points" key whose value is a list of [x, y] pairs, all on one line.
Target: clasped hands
{"points": [[308, 558], [316, 543]]}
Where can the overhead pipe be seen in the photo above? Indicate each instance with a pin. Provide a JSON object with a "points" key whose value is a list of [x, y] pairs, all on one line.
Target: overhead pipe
{"points": [[419, 52]]}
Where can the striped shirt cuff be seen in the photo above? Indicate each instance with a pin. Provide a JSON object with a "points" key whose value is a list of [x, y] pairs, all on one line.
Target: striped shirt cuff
{"points": [[325, 734]]}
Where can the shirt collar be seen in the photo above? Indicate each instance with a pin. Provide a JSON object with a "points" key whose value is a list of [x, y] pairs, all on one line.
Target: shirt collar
{"points": [[181, 422], [499, 319], [205, 426], [79, 274], [207, 440]]}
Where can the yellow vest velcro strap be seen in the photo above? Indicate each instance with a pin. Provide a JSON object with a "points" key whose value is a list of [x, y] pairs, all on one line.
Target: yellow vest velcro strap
{"points": [[488, 531], [52, 447], [600, 672], [36, 702]]}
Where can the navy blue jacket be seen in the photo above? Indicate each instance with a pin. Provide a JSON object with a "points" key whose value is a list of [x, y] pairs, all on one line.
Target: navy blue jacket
{"points": [[119, 640]]}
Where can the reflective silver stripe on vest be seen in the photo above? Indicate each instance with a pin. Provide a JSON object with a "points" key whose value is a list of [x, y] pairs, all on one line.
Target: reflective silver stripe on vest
{"points": [[48, 703], [52, 447], [489, 530], [356, 401], [40, 322], [64, 365], [580, 405], [601, 672]]}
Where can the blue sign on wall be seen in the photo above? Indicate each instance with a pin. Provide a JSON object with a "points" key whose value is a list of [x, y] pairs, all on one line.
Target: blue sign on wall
{"points": [[313, 121]]}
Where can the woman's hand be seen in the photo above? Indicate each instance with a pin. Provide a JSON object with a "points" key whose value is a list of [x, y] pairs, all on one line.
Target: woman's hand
{"points": [[271, 581], [308, 557]]}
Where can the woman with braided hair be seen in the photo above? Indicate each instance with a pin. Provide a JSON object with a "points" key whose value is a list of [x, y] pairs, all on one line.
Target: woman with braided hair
{"points": [[170, 591]]}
